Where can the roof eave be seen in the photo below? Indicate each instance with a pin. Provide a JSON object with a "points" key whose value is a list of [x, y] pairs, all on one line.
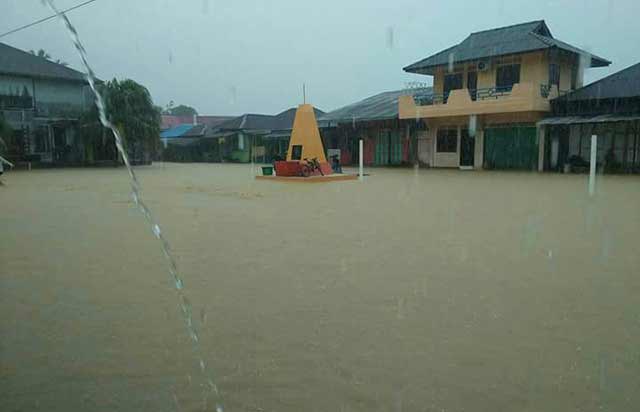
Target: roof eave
{"points": [[599, 62], [58, 78]]}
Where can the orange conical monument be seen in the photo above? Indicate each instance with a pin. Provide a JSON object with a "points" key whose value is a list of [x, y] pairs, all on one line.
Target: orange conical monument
{"points": [[306, 161], [305, 142]]}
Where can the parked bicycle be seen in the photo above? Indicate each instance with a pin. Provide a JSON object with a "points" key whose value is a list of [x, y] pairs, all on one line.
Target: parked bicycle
{"points": [[309, 167]]}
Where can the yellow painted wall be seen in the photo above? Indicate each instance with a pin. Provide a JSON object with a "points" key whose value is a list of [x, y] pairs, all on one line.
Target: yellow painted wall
{"points": [[305, 132]]}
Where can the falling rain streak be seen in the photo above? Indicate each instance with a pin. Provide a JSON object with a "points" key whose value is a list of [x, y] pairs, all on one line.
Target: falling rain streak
{"points": [[136, 194]]}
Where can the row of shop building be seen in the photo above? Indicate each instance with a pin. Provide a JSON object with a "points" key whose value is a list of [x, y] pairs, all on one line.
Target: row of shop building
{"points": [[505, 98]]}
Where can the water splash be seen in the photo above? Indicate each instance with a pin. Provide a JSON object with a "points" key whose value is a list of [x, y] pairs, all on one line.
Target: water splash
{"points": [[136, 194]]}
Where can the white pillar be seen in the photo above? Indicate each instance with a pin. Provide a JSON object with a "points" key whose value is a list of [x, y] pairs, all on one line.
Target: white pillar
{"points": [[361, 159], [541, 149], [592, 165]]}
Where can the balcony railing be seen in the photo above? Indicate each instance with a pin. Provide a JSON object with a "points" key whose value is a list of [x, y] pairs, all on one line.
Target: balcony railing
{"points": [[490, 93], [545, 91], [484, 94]]}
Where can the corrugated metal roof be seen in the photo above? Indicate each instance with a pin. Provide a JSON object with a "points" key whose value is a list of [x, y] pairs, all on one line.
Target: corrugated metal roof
{"points": [[623, 84], [177, 131], [519, 38], [605, 118], [18, 62], [381, 106]]}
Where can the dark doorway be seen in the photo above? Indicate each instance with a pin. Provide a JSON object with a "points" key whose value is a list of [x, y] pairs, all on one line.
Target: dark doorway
{"points": [[451, 82], [467, 148], [507, 76], [472, 84]]}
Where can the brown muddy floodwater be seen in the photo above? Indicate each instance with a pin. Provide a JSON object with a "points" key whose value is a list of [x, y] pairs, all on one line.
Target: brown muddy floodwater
{"points": [[413, 291]]}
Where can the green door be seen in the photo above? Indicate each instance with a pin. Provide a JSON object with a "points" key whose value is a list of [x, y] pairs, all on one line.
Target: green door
{"points": [[388, 148], [395, 148], [381, 157], [510, 148]]}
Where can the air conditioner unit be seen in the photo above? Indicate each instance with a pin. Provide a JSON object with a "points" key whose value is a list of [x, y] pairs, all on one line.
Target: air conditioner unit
{"points": [[484, 65]]}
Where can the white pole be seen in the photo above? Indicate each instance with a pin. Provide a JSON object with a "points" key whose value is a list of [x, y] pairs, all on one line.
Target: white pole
{"points": [[361, 159], [592, 165]]}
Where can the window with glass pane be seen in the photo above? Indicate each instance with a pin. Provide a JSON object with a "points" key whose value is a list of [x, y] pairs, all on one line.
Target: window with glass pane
{"points": [[452, 82], [507, 76], [447, 140], [554, 74]]}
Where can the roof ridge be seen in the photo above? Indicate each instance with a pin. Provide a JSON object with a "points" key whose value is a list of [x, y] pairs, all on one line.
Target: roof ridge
{"points": [[509, 26]]}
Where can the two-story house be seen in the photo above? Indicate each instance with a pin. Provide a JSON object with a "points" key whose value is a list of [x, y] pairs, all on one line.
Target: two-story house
{"points": [[42, 102], [489, 92]]}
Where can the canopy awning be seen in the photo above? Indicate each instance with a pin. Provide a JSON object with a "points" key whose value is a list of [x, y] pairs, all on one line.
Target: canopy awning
{"points": [[603, 118]]}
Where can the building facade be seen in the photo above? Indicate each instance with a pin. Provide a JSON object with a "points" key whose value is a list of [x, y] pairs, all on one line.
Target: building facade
{"points": [[489, 92], [42, 102], [608, 109], [387, 140]]}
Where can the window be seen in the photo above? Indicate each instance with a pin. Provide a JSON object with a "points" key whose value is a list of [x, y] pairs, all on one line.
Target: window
{"points": [[447, 140], [452, 82], [507, 76], [296, 152], [554, 74]]}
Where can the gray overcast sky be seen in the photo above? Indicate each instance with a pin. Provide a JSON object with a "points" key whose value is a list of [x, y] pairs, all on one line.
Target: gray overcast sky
{"points": [[238, 56]]}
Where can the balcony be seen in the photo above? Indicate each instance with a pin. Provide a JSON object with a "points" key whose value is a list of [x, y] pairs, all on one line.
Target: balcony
{"points": [[521, 97]]}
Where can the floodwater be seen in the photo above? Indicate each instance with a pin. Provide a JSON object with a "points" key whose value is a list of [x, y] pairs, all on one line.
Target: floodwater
{"points": [[411, 291]]}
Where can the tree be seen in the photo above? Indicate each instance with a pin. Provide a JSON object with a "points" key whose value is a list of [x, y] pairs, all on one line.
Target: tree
{"points": [[42, 53], [130, 108], [180, 110]]}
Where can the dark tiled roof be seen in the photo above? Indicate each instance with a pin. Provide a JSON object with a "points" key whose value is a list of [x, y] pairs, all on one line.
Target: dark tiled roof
{"points": [[519, 38], [196, 131], [263, 122], [623, 84], [17, 62], [248, 121], [213, 121], [284, 120], [382, 106]]}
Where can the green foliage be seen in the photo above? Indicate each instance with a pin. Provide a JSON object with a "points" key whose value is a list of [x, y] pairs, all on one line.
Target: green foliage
{"points": [[131, 109], [180, 110]]}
